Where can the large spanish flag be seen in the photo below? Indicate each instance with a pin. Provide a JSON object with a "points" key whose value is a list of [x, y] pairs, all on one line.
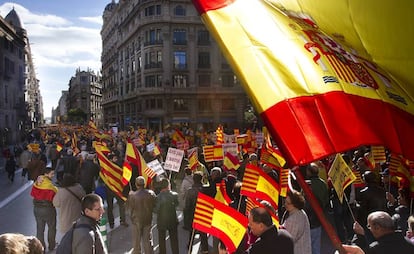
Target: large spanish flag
{"points": [[219, 220], [320, 93]]}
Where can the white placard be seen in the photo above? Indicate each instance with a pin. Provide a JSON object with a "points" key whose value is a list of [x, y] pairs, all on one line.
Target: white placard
{"points": [[156, 166], [231, 148], [173, 160], [150, 147]]}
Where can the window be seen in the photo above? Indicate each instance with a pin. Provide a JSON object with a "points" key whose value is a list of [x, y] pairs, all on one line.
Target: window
{"points": [[204, 80], [153, 59], [228, 104], [203, 60], [180, 60], [179, 11], [204, 105], [153, 36], [228, 80], [180, 104], [180, 81], [180, 37], [153, 10], [153, 81], [203, 37]]}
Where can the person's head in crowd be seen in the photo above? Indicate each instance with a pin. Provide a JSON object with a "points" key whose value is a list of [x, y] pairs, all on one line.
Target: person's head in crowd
{"points": [[259, 220], [215, 172], [14, 243], [48, 171], [188, 171], [294, 199], [380, 223], [312, 170], [370, 177], [68, 180], [410, 228], [253, 159], [140, 182], [197, 177], [92, 206], [165, 184]]}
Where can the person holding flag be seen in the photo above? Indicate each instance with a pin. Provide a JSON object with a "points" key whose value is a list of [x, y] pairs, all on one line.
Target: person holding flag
{"points": [[270, 239]]}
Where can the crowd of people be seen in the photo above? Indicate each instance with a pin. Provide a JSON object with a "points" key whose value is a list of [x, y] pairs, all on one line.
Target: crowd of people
{"points": [[376, 215]]}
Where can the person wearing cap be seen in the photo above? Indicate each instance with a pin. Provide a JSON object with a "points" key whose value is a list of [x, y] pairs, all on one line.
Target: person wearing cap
{"points": [[141, 203]]}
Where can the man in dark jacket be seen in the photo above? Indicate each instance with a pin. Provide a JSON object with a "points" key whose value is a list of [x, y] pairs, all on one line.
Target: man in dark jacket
{"points": [[387, 239], [165, 206], [270, 239], [85, 239], [189, 209], [141, 204]]}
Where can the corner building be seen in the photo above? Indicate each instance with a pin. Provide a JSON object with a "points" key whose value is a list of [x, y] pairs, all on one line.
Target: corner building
{"points": [[161, 66]]}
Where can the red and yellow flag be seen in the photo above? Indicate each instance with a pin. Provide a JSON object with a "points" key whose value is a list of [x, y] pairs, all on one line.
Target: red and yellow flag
{"points": [[221, 193], [110, 173], [59, 147], [219, 135], [257, 184], [193, 158], [316, 94], [213, 153], [284, 181], [219, 220], [133, 156], [253, 203], [230, 162]]}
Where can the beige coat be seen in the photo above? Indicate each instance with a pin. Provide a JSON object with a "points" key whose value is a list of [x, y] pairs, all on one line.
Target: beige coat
{"points": [[68, 205]]}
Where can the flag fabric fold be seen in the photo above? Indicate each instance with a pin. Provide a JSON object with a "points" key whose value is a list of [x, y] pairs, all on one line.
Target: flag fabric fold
{"points": [[230, 161], [110, 173], [134, 157], [219, 220], [320, 88]]}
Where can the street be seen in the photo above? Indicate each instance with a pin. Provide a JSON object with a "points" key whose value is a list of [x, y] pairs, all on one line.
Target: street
{"points": [[16, 216]]}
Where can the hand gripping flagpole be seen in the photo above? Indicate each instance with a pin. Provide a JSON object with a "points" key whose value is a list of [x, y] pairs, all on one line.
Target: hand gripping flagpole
{"points": [[318, 211]]}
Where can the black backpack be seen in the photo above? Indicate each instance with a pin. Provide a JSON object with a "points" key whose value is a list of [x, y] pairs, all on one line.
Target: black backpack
{"points": [[65, 245]]}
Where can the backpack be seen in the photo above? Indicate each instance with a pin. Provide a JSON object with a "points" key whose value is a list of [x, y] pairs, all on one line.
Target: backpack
{"points": [[65, 245]]}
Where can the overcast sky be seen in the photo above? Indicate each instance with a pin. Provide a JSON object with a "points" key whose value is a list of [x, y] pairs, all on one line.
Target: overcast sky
{"points": [[64, 35]]}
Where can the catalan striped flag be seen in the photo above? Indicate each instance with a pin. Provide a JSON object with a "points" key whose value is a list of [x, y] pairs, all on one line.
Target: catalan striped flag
{"points": [[284, 181], [219, 220], [257, 184], [253, 203], [308, 116], [219, 135], [378, 153], [110, 173], [213, 153], [359, 182]]}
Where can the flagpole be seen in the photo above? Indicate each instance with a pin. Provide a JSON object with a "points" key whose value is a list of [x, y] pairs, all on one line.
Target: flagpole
{"points": [[190, 245], [349, 207], [318, 211]]}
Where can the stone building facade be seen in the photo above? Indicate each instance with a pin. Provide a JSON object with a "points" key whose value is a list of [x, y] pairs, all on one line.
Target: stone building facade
{"points": [[161, 66]]}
